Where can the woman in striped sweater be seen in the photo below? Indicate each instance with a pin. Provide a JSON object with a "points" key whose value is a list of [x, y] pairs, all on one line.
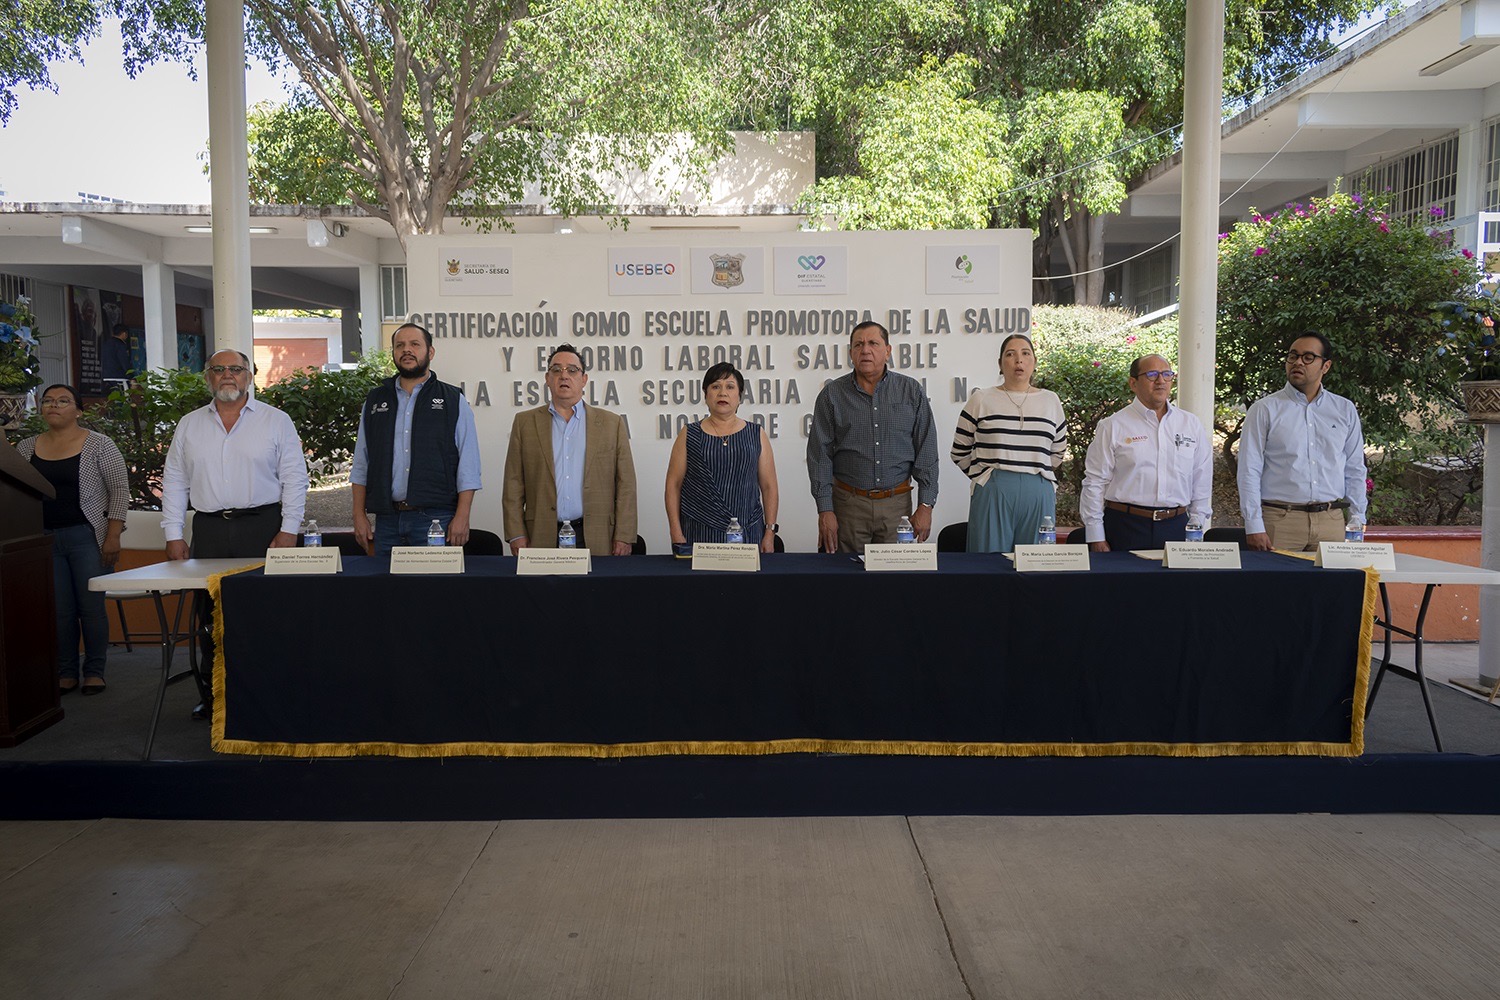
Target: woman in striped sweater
{"points": [[1009, 442], [85, 520]]}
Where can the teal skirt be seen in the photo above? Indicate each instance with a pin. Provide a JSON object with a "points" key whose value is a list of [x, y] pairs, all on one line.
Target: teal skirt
{"points": [[1006, 510]]}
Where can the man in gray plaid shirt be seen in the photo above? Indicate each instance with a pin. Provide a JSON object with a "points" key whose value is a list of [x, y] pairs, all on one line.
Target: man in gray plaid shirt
{"points": [[872, 433]]}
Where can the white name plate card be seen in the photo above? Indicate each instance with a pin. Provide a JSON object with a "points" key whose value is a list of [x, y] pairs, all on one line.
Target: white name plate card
{"points": [[1202, 555], [1357, 555], [913, 557], [427, 560], [1052, 558], [303, 562], [729, 557], [554, 562]]}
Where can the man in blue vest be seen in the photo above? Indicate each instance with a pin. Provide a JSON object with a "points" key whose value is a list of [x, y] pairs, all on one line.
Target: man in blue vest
{"points": [[416, 459]]}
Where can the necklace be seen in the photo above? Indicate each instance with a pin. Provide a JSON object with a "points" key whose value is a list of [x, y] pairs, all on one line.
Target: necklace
{"points": [[723, 438], [1021, 406]]}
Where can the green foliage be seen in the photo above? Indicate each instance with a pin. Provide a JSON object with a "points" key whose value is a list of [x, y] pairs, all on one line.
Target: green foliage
{"points": [[1468, 327], [20, 368], [141, 418], [1339, 266], [930, 158], [299, 156], [1437, 477], [325, 407], [1083, 354]]}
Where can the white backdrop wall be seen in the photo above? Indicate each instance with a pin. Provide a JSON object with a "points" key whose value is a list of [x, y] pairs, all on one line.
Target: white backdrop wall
{"points": [[650, 318]]}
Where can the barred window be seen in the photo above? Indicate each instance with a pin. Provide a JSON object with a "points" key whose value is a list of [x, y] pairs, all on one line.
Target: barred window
{"points": [[1418, 180]]}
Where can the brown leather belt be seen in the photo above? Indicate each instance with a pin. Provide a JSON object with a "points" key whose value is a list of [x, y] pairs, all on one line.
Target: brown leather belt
{"points": [[1307, 508], [874, 494], [1154, 513], [403, 505]]}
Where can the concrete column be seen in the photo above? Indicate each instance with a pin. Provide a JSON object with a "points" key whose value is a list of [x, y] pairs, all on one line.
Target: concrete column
{"points": [[369, 308], [1489, 558], [228, 160], [1203, 90], [159, 289]]}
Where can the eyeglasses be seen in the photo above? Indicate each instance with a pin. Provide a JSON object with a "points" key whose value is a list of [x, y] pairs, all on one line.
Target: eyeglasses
{"points": [[1153, 375], [1306, 357], [559, 369], [61, 401], [235, 370]]}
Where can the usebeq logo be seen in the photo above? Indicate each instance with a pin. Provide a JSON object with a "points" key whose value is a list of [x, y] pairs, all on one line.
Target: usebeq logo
{"points": [[644, 270], [808, 263]]}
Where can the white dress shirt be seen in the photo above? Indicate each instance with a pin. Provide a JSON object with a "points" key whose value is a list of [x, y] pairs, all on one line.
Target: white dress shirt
{"points": [[257, 462], [1138, 459], [1293, 451]]}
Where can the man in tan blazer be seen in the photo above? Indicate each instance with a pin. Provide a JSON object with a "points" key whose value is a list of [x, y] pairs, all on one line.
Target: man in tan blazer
{"points": [[569, 462]]}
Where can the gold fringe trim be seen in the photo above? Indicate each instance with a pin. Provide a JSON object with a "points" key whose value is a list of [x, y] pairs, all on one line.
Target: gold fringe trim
{"points": [[1362, 663], [887, 747], [215, 586]]}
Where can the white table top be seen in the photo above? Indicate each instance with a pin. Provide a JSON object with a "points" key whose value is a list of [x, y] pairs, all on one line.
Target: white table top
{"points": [[1420, 569], [169, 576]]}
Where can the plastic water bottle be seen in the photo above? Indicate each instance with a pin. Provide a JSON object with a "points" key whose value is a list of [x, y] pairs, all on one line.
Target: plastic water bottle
{"points": [[312, 535], [1354, 531], [733, 533], [567, 538], [1046, 531], [435, 535], [1194, 531], [905, 533]]}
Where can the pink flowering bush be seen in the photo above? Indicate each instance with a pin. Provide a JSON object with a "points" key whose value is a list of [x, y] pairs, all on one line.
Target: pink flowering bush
{"points": [[1373, 285]]}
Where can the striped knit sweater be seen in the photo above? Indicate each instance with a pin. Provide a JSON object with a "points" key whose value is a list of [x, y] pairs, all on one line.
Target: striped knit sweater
{"points": [[103, 481], [994, 433]]}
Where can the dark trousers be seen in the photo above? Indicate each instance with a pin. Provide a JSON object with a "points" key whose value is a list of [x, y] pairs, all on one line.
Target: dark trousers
{"points": [[217, 538], [1127, 531]]}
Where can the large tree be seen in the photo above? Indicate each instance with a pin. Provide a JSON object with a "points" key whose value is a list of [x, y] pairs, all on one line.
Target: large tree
{"points": [[416, 105], [1084, 95]]}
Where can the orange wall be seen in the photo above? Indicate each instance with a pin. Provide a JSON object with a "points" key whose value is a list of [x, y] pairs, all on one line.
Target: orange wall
{"points": [[1454, 613], [276, 359]]}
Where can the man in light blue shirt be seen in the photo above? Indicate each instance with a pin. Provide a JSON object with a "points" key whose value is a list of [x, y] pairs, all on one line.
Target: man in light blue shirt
{"points": [[416, 459], [1302, 457]]}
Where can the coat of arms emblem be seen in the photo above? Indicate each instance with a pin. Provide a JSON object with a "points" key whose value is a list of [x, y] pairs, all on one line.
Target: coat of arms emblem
{"points": [[728, 269], [452, 267]]}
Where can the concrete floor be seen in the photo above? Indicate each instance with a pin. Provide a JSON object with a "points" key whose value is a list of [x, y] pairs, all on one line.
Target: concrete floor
{"points": [[954, 907]]}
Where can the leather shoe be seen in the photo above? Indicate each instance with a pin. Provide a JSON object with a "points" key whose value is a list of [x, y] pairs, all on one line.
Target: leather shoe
{"points": [[205, 710], [66, 688], [89, 689]]}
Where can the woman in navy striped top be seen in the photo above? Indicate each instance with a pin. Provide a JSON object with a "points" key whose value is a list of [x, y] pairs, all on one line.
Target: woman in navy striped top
{"points": [[721, 467], [1009, 442]]}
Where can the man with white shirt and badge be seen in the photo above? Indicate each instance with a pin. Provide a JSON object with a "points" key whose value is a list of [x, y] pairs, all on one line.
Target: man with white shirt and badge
{"points": [[239, 464], [1149, 468], [1302, 457]]}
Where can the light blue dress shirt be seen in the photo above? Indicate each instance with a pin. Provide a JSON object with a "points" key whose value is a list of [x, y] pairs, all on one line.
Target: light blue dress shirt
{"points": [[463, 436], [569, 439], [1295, 451]]}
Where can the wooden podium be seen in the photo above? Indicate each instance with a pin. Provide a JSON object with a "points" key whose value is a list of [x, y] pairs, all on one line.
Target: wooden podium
{"points": [[29, 699]]}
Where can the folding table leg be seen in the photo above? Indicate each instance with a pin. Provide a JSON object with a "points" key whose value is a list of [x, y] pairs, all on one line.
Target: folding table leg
{"points": [[169, 638]]}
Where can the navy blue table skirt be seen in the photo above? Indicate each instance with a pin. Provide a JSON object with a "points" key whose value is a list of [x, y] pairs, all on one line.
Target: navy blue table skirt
{"points": [[813, 653]]}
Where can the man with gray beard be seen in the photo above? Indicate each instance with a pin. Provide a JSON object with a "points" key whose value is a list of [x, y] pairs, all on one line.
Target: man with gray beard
{"points": [[239, 464]]}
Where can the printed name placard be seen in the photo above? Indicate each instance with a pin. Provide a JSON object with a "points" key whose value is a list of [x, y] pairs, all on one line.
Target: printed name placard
{"points": [[914, 557], [303, 562], [1357, 555], [1052, 558], [427, 559], [554, 562], [1202, 555], [727, 556]]}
